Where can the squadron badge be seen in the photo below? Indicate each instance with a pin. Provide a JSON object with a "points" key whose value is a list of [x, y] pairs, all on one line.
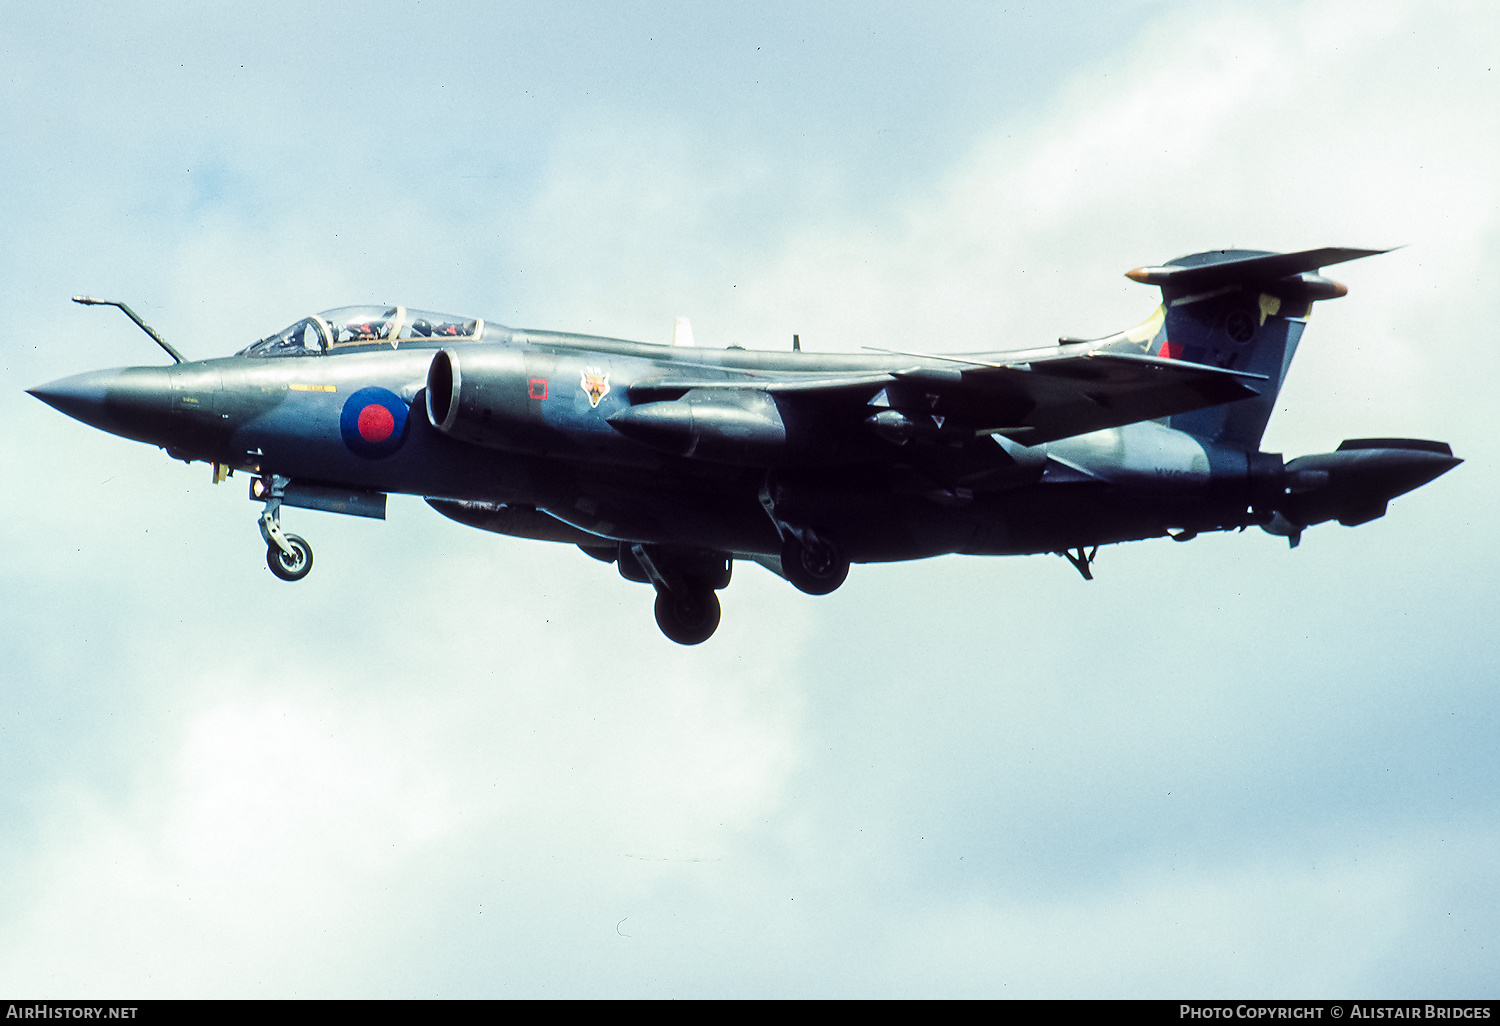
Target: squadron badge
{"points": [[595, 385]]}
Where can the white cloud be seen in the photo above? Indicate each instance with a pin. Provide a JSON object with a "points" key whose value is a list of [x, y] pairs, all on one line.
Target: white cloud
{"points": [[1257, 930], [310, 806]]}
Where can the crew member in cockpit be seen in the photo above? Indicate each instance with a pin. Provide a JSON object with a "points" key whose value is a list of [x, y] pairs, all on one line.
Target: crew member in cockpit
{"points": [[371, 330]]}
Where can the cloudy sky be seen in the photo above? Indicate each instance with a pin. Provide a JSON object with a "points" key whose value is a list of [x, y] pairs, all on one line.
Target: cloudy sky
{"points": [[454, 764]]}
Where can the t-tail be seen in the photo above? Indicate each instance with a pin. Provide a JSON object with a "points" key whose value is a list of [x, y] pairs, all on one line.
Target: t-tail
{"points": [[1243, 310]]}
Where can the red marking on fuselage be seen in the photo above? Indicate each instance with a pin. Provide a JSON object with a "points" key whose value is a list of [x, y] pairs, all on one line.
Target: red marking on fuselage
{"points": [[538, 388], [1168, 352], [376, 423]]}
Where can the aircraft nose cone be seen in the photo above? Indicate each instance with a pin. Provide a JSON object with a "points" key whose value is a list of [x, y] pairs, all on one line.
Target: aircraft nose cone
{"points": [[135, 402], [78, 396]]}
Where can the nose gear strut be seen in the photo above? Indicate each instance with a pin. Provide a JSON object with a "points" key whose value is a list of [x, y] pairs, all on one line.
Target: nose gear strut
{"points": [[288, 555]]}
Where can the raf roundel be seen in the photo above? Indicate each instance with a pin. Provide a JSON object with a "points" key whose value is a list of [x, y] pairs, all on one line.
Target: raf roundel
{"points": [[373, 423]]}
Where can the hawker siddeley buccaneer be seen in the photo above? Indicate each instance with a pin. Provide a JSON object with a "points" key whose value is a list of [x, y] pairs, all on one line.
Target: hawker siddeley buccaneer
{"points": [[674, 461]]}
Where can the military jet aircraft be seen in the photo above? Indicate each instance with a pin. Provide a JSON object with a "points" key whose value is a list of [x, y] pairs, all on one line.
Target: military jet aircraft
{"points": [[673, 462]]}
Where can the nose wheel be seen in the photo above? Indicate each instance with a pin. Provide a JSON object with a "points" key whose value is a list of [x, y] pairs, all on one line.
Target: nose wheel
{"points": [[291, 565], [288, 555]]}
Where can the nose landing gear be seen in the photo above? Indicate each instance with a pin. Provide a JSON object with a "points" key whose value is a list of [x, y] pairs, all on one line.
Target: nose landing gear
{"points": [[288, 555]]}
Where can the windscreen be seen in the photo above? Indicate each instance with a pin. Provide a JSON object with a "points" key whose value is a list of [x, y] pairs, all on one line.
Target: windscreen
{"points": [[305, 338]]}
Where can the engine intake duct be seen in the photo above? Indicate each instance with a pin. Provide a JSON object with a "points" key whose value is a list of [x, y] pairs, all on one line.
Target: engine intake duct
{"points": [[444, 384], [481, 395]]}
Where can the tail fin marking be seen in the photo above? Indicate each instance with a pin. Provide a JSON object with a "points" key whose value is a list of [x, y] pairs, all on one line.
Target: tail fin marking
{"points": [[1241, 310]]}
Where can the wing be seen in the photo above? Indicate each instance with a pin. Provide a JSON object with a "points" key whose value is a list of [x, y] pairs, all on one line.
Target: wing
{"points": [[1057, 393], [1073, 395]]}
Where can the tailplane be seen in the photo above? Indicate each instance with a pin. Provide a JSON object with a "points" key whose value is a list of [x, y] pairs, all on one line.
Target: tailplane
{"points": [[1243, 310]]}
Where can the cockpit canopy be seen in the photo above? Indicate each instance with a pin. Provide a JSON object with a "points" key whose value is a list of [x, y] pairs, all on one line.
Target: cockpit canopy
{"points": [[350, 328]]}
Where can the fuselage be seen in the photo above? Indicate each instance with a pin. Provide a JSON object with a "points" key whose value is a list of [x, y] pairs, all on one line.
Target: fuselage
{"points": [[550, 445]]}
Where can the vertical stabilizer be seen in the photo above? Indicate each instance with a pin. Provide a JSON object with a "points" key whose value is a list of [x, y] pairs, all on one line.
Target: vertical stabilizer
{"points": [[1243, 310]]}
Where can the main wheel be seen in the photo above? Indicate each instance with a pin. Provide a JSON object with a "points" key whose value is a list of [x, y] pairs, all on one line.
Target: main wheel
{"points": [[688, 620], [294, 567], [817, 569]]}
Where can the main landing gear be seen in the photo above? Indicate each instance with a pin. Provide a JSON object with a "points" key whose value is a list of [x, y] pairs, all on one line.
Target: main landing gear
{"points": [[689, 618], [687, 610], [812, 563], [809, 560], [288, 555]]}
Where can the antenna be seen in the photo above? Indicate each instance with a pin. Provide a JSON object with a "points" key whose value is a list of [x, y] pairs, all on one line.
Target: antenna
{"points": [[91, 301], [796, 344]]}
